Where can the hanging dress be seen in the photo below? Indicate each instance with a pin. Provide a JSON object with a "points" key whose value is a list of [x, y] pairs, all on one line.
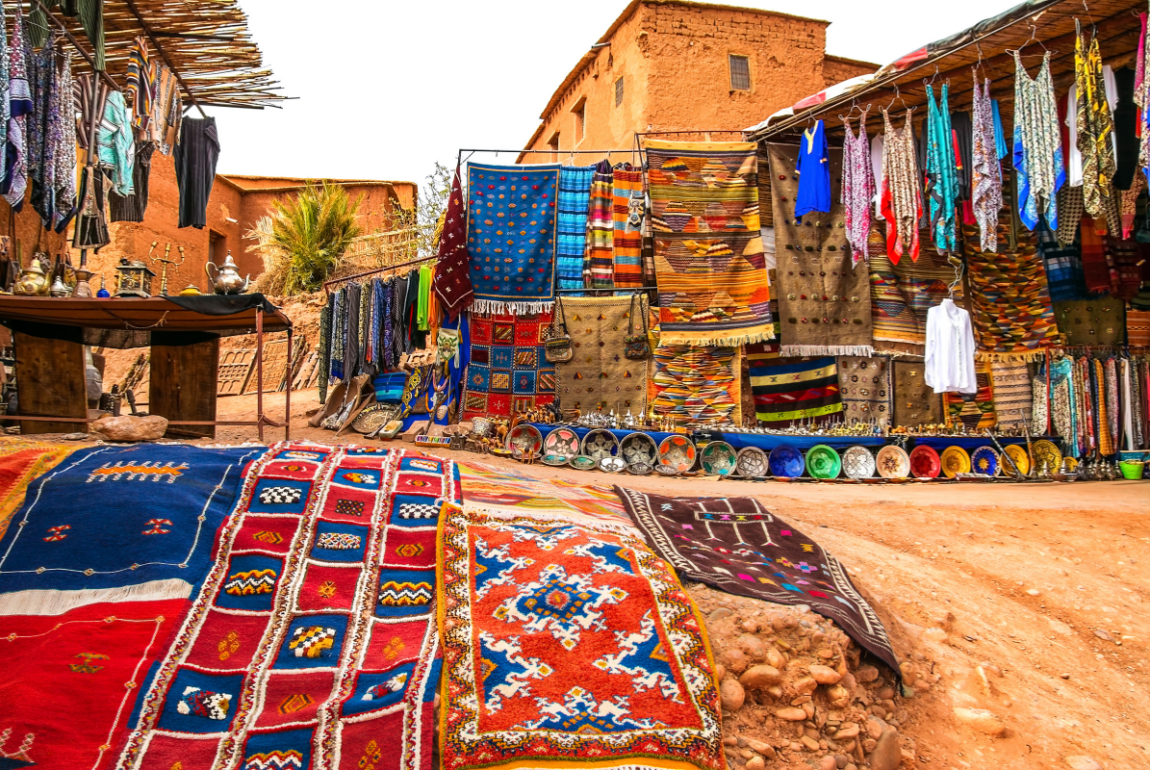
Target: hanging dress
{"points": [[1037, 145], [1142, 100], [814, 170], [901, 192], [941, 176], [1095, 126], [986, 176], [858, 188], [15, 182]]}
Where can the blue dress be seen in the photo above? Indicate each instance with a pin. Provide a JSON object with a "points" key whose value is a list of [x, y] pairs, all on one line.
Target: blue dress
{"points": [[814, 170]]}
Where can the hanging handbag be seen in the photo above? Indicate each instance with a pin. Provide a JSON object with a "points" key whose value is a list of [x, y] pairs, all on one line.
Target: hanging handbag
{"points": [[557, 347], [635, 346]]}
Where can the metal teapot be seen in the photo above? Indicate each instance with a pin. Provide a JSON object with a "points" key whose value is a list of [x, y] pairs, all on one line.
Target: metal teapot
{"points": [[227, 278], [33, 281]]}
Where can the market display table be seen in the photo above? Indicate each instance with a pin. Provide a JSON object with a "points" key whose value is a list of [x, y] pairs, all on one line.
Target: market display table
{"points": [[184, 335]]}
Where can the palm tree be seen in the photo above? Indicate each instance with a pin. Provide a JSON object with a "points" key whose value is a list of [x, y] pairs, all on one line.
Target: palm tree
{"points": [[314, 230]]}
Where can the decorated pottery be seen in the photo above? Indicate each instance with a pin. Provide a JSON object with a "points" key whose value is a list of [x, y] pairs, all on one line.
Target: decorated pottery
{"points": [[1046, 453], [925, 462], [639, 448], [893, 462], [1018, 455], [955, 460], [613, 464], [751, 462], [640, 469], [823, 462], [786, 462], [667, 470], [858, 463], [600, 443], [677, 452], [718, 459], [583, 463], [556, 460], [561, 442], [524, 440], [985, 460], [374, 417]]}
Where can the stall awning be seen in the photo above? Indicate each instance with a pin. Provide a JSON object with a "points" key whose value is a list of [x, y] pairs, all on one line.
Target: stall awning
{"points": [[129, 321], [1032, 25]]}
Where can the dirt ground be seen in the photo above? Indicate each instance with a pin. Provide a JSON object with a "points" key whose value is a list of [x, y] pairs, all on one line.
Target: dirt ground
{"points": [[1029, 601]]}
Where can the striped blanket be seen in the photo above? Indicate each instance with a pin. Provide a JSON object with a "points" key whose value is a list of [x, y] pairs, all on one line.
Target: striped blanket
{"points": [[571, 224], [791, 389], [598, 254], [709, 261], [627, 213]]}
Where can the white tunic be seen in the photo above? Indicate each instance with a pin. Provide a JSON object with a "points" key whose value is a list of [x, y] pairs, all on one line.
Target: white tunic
{"points": [[950, 349]]}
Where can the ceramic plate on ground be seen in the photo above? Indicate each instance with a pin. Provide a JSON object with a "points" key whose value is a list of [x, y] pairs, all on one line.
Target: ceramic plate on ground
{"points": [[556, 461], [858, 463], [985, 460], [600, 443], [373, 418], [561, 442], [640, 469], [786, 462], [1046, 453], [677, 452], [893, 462], [524, 440], [1021, 459], [639, 448], [925, 463], [955, 460], [823, 462], [718, 459], [667, 470], [583, 463], [751, 462], [613, 464]]}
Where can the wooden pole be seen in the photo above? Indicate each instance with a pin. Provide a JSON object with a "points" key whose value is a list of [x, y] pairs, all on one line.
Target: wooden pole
{"points": [[287, 396], [76, 44], [260, 371], [164, 55]]}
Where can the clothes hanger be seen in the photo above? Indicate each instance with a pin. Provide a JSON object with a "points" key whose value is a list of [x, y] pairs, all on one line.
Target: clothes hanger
{"points": [[898, 96]]}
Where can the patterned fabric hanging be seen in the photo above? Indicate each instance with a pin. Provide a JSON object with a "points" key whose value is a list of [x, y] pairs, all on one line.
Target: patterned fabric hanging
{"points": [[1037, 145], [858, 188], [987, 173], [599, 251], [1095, 126], [901, 191], [627, 215], [452, 282], [941, 179]]}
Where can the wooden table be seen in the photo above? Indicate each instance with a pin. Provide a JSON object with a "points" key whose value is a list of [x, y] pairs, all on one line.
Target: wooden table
{"points": [[49, 335]]}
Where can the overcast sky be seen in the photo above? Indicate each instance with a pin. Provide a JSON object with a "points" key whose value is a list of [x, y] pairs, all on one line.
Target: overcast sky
{"points": [[387, 88]]}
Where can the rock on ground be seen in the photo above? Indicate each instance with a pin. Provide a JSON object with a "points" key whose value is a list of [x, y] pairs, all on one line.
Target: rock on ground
{"points": [[128, 428]]}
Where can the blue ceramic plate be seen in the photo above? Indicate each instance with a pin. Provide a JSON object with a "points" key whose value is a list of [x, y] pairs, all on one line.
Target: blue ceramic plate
{"points": [[984, 460], [786, 462]]}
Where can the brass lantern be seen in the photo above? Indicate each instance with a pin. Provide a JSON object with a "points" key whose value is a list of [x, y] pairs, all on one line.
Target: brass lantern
{"points": [[134, 279]]}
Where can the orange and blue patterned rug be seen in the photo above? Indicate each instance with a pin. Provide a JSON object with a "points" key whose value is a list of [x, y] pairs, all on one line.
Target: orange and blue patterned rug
{"points": [[568, 644], [511, 231]]}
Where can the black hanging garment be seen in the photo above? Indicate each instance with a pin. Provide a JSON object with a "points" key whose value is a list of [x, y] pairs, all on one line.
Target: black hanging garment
{"points": [[91, 226], [131, 208], [196, 155]]}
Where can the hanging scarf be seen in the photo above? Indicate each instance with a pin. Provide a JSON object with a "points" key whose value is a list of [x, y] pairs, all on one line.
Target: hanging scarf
{"points": [[987, 173], [1095, 126], [1037, 145], [324, 347], [387, 354], [941, 179], [5, 108], [421, 308], [901, 192], [1142, 100], [20, 106], [599, 254], [453, 278], [338, 323], [858, 188]]}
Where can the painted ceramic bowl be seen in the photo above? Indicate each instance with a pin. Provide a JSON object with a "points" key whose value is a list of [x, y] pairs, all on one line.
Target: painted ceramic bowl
{"points": [[677, 452], [666, 470], [524, 440], [823, 462], [640, 469], [985, 460], [858, 463], [1021, 459], [556, 461], [925, 462], [561, 442], [786, 462], [583, 463], [718, 459], [600, 443], [613, 464], [639, 448], [893, 462], [751, 462], [1047, 453], [955, 460]]}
